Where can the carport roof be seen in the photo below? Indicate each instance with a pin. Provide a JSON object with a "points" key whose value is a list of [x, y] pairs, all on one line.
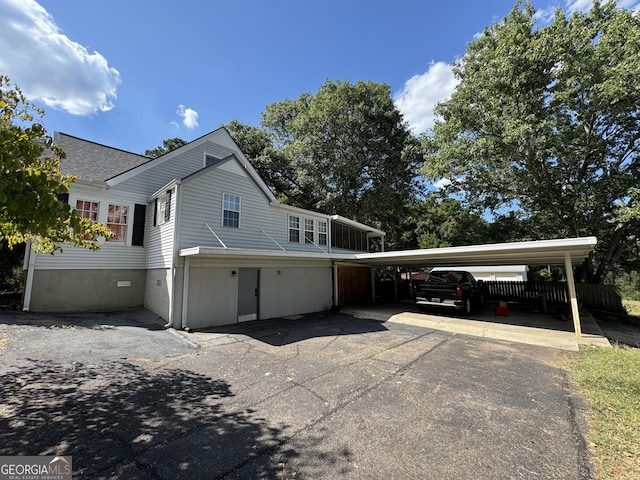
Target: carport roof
{"points": [[539, 252]]}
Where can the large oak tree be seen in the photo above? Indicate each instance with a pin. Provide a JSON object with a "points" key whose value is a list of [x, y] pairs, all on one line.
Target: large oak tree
{"points": [[347, 150], [546, 121]]}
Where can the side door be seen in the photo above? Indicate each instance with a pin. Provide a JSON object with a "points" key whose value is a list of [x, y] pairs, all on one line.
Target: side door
{"points": [[248, 283]]}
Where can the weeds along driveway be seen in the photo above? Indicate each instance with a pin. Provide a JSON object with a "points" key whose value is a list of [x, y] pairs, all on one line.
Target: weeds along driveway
{"points": [[322, 396]]}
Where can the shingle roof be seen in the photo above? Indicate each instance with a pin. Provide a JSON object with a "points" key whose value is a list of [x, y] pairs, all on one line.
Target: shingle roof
{"points": [[93, 162]]}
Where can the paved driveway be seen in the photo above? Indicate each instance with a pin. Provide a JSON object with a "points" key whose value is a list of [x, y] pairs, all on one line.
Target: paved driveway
{"points": [[322, 396]]}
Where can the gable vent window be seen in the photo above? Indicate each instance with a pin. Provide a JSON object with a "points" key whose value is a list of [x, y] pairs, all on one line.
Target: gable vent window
{"points": [[231, 211], [210, 160]]}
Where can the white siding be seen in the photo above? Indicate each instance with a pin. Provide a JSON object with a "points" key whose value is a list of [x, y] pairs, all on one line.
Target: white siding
{"points": [[201, 201], [159, 239], [111, 255], [180, 166]]}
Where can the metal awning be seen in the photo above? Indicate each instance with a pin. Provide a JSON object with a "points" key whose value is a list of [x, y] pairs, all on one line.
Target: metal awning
{"points": [[539, 252], [567, 251]]}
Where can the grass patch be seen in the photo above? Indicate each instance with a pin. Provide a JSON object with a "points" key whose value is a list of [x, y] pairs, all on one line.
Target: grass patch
{"points": [[610, 380], [632, 307]]}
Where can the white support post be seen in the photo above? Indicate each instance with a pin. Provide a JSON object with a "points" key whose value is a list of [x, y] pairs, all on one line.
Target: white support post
{"points": [[568, 266]]}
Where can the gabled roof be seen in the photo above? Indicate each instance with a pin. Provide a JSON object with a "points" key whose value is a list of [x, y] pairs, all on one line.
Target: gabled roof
{"points": [[93, 162]]}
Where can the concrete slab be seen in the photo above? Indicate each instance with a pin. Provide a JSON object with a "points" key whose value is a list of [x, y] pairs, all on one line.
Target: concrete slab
{"points": [[520, 325]]}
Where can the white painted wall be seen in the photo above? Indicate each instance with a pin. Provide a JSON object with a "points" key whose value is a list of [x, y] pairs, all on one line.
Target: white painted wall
{"points": [[300, 287]]}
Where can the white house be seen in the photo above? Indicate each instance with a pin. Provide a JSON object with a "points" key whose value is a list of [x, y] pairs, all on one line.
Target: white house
{"points": [[199, 239], [493, 273]]}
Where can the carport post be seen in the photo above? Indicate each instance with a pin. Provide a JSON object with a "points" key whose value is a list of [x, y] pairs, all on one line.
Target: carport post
{"points": [[568, 266]]}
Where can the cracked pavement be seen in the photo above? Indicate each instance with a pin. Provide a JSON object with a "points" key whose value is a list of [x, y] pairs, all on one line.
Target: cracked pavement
{"points": [[322, 396]]}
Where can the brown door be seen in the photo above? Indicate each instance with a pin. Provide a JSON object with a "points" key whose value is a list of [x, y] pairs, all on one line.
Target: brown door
{"points": [[354, 285]]}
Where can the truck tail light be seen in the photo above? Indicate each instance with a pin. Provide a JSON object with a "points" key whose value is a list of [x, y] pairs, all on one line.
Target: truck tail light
{"points": [[458, 290]]}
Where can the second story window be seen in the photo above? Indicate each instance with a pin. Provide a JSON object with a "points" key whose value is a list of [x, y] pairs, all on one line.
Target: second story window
{"points": [[231, 211], [322, 233], [308, 230], [117, 216], [294, 229]]}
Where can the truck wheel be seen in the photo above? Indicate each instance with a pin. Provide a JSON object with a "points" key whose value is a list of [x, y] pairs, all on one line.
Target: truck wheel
{"points": [[467, 306]]}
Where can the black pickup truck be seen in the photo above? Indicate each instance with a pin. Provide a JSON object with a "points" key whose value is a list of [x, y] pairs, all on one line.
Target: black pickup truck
{"points": [[450, 289]]}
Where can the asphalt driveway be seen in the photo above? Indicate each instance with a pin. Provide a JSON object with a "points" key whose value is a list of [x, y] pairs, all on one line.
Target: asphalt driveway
{"points": [[320, 396]]}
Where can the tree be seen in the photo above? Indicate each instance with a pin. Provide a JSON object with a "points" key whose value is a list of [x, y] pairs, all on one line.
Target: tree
{"points": [[31, 182], [271, 163], [348, 151], [437, 221], [167, 145], [544, 121]]}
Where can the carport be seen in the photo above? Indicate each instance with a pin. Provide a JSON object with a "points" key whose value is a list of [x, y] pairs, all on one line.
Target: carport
{"points": [[565, 251]]}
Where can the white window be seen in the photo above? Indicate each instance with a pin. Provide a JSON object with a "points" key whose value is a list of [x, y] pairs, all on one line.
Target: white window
{"points": [[87, 209], [322, 233], [163, 208], [294, 229], [231, 211], [308, 230], [117, 216]]}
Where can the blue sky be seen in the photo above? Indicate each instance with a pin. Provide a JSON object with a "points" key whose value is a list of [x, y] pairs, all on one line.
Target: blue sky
{"points": [[130, 73]]}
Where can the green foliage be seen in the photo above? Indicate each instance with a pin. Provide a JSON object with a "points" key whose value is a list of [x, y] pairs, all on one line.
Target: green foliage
{"points": [[436, 221], [10, 266], [628, 283], [270, 162], [349, 150], [545, 121], [31, 182], [344, 150], [167, 145]]}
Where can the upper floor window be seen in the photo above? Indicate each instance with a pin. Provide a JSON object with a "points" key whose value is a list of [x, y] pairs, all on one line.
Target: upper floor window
{"points": [[231, 211], [308, 230], [117, 216], [322, 233], [347, 237], [163, 208], [294, 229]]}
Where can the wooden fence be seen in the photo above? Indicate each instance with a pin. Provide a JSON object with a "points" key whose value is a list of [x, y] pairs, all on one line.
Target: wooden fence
{"points": [[601, 297]]}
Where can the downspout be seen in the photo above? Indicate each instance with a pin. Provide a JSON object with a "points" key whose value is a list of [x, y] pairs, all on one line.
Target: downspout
{"points": [[172, 267], [30, 261]]}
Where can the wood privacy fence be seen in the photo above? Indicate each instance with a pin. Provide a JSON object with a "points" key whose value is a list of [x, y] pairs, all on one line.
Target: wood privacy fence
{"points": [[601, 297]]}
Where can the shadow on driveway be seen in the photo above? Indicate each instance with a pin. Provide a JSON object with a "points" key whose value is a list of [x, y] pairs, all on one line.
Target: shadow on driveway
{"points": [[119, 420], [288, 330]]}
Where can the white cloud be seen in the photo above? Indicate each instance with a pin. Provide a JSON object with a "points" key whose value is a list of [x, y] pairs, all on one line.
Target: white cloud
{"points": [[48, 66], [189, 116], [442, 183], [421, 93]]}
